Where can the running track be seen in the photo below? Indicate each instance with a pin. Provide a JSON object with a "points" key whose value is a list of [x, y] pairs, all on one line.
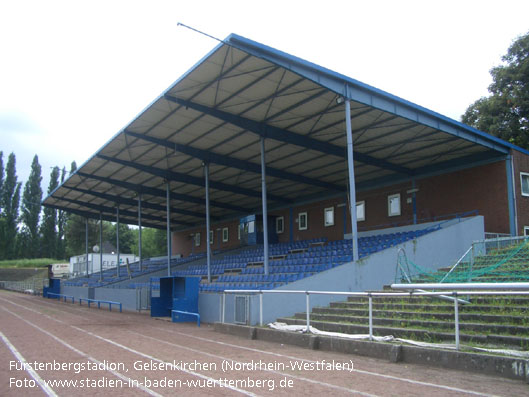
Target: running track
{"points": [[132, 354]]}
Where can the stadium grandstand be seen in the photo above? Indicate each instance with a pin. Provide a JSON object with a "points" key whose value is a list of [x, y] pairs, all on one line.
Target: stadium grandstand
{"points": [[270, 172]]}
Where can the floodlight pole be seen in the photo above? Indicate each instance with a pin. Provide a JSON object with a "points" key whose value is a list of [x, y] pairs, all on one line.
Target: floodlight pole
{"points": [[208, 246], [169, 247], [117, 240], [139, 231], [265, 210], [352, 188]]}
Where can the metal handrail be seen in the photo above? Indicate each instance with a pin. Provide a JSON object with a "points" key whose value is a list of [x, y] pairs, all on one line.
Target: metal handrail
{"points": [[372, 295]]}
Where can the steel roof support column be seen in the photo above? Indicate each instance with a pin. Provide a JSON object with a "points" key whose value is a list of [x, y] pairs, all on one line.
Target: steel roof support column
{"points": [[117, 240], [169, 245], [511, 196], [208, 245], [139, 232], [100, 246], [414, 200], [265, 209], [352, 188], [86, 245]]}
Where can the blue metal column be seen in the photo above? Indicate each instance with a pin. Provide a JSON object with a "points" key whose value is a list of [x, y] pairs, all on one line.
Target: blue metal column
{"points": [[169, 245], [414, 201], [139, 231], [511, 197], [352, 187], [86, 245], [208, 246], [100, 246], [265, 209], [117, 239]]}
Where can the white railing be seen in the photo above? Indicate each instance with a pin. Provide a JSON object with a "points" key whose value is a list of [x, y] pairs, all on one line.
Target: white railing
{"points": [[521, 289]]}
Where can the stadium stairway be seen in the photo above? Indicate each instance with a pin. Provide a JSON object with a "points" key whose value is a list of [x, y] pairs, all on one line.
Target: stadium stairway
{"points": [[495, 322]]}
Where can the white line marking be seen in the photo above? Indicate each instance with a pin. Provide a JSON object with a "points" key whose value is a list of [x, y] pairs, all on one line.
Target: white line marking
{"points": [[119, 375], [341, 388], [406, 380], [49, 391], [416, 382], [166, 363]]}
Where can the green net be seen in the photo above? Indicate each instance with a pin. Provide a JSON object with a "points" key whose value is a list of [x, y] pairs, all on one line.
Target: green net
{"points": [[488, 261]]}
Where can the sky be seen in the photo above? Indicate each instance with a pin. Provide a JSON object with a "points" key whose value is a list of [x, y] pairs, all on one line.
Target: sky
{"points": [[74, 73]]}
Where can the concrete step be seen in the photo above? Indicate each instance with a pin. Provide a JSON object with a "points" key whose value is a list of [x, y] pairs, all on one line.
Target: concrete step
{"points": [[485, 328], [416, 333], [463, 317]]}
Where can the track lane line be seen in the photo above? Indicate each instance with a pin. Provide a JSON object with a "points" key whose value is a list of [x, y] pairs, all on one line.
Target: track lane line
{"points": [[45, 388], [329, 385], [369, 373], [88, 357]]}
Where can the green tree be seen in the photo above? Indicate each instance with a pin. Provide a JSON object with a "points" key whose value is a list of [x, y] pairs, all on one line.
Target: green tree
{"points": [[9, 206], [49, 221], [30, 212], [153, 242], [1, 175], [505, 113], [62, 219], [126, 237]]}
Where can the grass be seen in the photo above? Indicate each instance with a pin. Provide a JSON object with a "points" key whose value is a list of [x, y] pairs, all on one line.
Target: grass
{"points": [[29, 263]]}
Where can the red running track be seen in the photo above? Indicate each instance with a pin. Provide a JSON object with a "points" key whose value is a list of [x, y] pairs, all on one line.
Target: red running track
{"points": [[55, 348]]}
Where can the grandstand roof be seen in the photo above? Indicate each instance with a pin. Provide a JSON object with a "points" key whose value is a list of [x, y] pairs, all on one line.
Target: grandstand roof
{"points": [[217, 112]]}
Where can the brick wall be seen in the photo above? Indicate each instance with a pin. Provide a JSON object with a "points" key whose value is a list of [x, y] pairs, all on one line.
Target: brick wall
{"points": [[482, 188]]}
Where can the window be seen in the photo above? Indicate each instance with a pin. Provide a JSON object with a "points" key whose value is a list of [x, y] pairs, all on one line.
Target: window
{"points": [[328, 216], [526, 230], [394, 205], [251, 226], [197, 240], [211, 237], [239, 231], [225, 235], [524, 177], [280, 225], [361, 211], [302, 221]]}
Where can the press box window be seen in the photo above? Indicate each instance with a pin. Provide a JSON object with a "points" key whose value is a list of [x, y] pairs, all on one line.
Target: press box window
{"points": [[225, 235], [280, 225], [524, 177], [360, 211], [394, 205], [302, 221], [328, 215]]}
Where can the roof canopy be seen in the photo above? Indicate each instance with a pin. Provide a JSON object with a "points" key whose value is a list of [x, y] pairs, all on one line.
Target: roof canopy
{"points": [[218, 111]]}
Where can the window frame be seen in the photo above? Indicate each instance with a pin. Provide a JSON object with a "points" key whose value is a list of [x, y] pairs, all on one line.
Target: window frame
{"points": [[225, 234], [526, 230], [390, 197], [522, 175], [360, 204], [211, 236], [325, 212], [280, 220], [300, 215], [197, 239]]}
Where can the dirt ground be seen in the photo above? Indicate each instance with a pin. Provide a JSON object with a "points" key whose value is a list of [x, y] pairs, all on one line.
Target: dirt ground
{"points": [[56, 348]]}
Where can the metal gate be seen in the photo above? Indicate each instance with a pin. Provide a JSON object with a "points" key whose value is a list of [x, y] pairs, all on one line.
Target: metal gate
{"points": [[143, 299], [242, 309]]}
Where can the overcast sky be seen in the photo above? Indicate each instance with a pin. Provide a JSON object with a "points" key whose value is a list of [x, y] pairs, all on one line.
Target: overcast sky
{"points": [[73, 73]]}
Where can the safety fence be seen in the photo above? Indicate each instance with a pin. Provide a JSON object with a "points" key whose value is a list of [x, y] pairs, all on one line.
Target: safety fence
{"points": [[457, 291]]}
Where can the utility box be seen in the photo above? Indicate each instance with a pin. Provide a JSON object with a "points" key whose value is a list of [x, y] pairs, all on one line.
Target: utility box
{"points": [[176, 293]]}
